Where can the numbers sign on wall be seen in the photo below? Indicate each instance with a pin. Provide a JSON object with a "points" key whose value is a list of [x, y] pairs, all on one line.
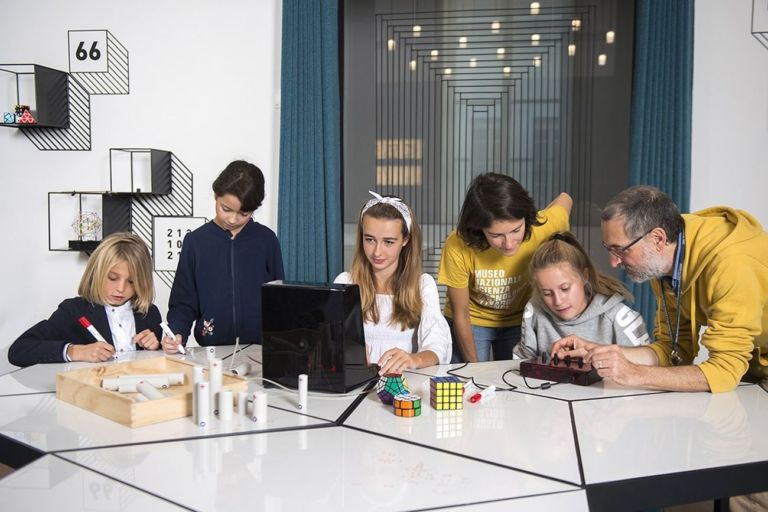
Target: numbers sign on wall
{"points": [[88, 51], [168, 239]]}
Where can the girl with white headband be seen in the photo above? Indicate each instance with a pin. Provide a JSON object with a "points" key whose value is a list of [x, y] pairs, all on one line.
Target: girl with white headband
{"points": [[404, 327]]}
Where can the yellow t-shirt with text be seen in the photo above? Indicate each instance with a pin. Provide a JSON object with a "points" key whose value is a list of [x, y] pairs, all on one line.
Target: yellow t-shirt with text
{"points": [[499, 286]]}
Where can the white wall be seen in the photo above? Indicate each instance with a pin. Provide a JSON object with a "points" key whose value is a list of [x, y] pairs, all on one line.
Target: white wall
{"points": [[187, 59], [730, 109]]}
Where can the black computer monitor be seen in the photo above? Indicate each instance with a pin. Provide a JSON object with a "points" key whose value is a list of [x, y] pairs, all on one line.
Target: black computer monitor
{"points": [[315, 329]]}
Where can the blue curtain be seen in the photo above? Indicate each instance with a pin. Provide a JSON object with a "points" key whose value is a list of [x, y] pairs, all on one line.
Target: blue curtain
{"points": [[660, 146], [309, 206]]}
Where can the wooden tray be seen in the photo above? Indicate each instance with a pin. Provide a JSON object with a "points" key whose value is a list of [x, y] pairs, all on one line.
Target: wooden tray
{"points": [[83, 388]]}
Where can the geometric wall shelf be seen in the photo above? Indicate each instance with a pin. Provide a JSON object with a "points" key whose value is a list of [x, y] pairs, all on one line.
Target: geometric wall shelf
{"points": [[760, 21], [140, 171], [98, 64], [42, 88], [79, 220], [77, 137]]}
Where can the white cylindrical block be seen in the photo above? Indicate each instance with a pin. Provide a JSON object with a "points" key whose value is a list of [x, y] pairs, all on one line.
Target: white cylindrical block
{"points": [[469, 390], [214, 379], [173, 378], [194, 395], [126, 388], [242, 403], [201, 397], [210, 353], [112, 384], [226, 404], [303, 384], [148, 390], [259, 413], [195, 402], [242, 369], [197, 375], [126, 381]]}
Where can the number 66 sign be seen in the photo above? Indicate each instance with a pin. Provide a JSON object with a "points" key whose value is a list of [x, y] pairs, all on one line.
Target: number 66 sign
{"points": [[88, 52]]}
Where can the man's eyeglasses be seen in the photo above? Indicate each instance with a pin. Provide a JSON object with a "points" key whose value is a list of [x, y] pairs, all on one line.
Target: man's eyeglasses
{"points": [[621, 251]]}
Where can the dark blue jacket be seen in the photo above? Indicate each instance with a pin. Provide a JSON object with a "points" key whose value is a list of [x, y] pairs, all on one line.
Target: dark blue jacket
{"points": [[218, 283], [44, 342]]}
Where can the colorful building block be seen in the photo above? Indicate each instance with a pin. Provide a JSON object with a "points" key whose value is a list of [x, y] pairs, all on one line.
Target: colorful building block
{"points": [[407, 405], [446, 393], [26, 118], [390, 385]]}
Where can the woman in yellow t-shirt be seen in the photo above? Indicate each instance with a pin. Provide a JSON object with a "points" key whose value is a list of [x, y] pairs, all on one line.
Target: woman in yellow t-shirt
{"points": [[485, 264]]}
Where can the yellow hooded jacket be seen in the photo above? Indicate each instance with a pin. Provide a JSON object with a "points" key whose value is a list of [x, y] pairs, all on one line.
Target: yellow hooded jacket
{"points": [[725, 281]]}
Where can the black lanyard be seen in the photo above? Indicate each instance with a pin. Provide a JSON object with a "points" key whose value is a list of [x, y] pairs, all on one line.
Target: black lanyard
{"points": [[677, 284]]}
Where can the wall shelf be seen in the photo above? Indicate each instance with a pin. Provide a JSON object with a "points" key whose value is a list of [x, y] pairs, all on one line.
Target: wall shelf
{"points": [[79, 220], [44, 89], [101, 213], [140, 171]]}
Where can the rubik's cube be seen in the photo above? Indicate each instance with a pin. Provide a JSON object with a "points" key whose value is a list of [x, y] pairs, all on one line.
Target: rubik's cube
{"points": [[407, 405], [390, 385], [446, 393]]}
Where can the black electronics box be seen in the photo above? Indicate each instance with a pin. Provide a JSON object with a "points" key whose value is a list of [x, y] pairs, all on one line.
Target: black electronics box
{"points": [[315, 329], [571, 371]]}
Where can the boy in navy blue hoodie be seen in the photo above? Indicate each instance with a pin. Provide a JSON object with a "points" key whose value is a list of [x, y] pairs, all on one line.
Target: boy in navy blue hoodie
{"points": [[223, 265]]}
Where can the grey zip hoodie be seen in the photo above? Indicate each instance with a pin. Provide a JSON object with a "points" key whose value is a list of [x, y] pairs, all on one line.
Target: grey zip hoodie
{"points": [[606, 320]]}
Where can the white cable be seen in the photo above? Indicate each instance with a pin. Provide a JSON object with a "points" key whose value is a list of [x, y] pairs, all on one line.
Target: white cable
{"points": [[313, 394], [234, 354]]}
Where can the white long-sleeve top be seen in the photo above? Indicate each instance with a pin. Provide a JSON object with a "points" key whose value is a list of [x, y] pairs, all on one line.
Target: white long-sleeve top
{"points": [[431, 334], [123, 326]]}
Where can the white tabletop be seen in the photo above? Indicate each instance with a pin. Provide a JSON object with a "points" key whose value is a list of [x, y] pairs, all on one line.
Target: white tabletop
{"points": [[51, 483], [51, 425], [650, 435], [333, 468], [511, 429]]}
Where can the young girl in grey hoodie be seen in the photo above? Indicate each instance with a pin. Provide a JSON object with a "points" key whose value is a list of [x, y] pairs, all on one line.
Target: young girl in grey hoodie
{"points": [[571, 297]]}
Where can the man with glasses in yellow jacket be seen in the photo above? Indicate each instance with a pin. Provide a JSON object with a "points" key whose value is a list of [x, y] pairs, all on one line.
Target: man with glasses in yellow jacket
{"points": [[707, 269]]}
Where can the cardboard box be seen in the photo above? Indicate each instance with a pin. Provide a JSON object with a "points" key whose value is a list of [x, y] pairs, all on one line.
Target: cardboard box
{"points": [[82, 388]]}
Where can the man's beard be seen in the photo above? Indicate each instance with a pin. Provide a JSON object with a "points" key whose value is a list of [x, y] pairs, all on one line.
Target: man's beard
{"points": [[651, 268]]}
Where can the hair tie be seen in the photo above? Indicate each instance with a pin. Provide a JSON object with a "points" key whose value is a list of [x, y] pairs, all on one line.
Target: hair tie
{"points": [[395, 202]]}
